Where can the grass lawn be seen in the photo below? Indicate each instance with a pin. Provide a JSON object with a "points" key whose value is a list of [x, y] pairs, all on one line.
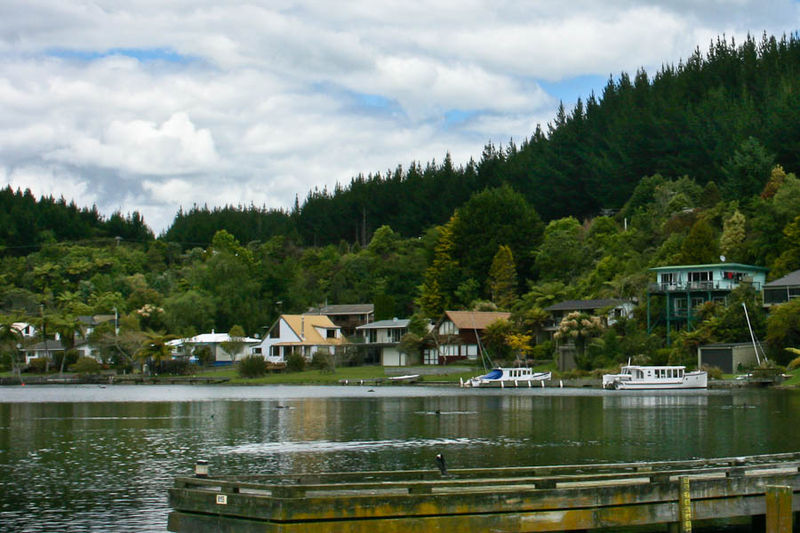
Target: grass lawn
{"points": [[318, 377]]}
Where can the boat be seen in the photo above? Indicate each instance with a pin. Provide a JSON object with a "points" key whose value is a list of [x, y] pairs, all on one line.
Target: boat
{"points": [[635, 377], [509, 377], [409, 378]]}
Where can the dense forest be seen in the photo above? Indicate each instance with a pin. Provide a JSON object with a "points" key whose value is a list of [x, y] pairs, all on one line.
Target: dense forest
{"points": [[695, 163], [687, 120]]}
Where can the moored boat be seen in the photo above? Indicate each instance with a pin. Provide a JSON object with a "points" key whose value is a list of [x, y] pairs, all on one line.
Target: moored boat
{"points": [[510, 377], [635, 377]]}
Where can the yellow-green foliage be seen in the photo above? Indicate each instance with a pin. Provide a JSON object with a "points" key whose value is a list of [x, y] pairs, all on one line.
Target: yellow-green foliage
{"points": [[794, 363]]}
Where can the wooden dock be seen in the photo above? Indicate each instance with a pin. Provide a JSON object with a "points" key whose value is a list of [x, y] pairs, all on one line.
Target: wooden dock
{"points": [[667, 495]]}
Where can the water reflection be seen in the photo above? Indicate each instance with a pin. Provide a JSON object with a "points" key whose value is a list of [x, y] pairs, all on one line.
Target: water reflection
{"points": [[69, 461]]}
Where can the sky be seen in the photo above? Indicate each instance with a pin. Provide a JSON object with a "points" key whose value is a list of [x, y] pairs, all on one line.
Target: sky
{"points": [[151, 106]]}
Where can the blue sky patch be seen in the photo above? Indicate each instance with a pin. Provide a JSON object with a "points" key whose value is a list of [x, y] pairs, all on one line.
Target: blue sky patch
{"points": [[455, 117], [143, 55], [570, 89]]}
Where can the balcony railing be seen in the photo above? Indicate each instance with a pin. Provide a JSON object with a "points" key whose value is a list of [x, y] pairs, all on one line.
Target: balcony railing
{"points": [[719, 285]]}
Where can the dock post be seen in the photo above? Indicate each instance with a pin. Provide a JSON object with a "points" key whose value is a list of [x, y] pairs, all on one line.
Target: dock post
{"points": [[201, 468], [684, 505], [779, 509]]}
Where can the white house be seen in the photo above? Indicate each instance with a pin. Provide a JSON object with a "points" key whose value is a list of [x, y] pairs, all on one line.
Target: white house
{"points": [[217, 343], [302, 334], [384, 336], [25, 329]]}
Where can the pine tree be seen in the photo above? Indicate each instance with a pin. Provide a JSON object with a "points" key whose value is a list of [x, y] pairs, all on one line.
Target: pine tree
{"points": [[503, 278]]}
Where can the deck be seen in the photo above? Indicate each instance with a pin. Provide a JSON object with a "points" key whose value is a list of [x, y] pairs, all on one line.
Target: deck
{"points": [[670, 494]]}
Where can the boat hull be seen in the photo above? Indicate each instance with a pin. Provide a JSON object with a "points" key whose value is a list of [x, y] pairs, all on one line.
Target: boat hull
{"points": [[691, 380], [536, 379]]}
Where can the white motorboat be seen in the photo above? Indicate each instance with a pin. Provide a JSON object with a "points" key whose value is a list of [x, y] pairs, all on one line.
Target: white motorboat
{"points": [[510, 377], [634, 377]]}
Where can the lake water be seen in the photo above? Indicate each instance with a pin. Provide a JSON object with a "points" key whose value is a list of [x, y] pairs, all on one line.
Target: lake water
{"points": [[90, 458]]}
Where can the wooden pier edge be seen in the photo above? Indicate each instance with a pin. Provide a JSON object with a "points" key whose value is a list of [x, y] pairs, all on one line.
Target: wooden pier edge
{"points": [[577, 497]]}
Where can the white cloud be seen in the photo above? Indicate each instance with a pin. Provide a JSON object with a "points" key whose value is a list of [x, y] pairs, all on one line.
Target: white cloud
{"points": [[149, 105], [141, 147]]}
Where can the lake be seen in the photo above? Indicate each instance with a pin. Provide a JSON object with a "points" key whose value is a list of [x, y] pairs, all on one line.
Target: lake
{"points": [[91, 458]]}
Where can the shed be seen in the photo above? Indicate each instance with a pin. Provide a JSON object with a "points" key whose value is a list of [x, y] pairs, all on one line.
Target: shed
{"points": [[730, 357]]}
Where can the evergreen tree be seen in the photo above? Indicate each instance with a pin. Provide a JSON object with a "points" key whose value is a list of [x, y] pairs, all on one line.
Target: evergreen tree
{"points": [[503, 278]]}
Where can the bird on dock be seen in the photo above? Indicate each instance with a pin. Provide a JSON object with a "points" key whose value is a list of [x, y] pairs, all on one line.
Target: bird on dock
{"points": [[440, 462]]}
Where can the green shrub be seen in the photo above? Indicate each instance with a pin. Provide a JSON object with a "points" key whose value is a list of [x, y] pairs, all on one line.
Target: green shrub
{"points": [[322, 361], [714, 372], [37, 365], [295, 363], [86, 365], [71, 358], [794, 363], [177, 367], [252, 366], [6, 362]]}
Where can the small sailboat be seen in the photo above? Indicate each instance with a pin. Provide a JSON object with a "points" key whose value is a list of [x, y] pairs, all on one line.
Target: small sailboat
{"points": [[510, 377]]}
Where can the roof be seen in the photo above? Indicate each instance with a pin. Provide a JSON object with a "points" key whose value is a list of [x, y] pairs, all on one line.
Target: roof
{"points": [[95, 320], [387, 324], [211, 338], [52, 346], [475, 319], [726, 345], [307, 324], [793, 278], [348, 309], [726, 266], [585, 305]]}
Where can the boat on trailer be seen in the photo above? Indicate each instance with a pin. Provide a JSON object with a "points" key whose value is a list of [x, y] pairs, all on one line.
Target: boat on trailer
{"points": [[635, 377], [510, 377]]}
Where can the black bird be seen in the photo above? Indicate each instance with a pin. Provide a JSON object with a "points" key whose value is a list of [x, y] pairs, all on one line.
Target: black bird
{"points": [[441, 464]]}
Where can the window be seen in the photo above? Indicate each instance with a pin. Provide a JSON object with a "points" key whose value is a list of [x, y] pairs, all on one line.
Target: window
{"points": [[257, 351], [275, 351], [331, 334], [431, 357], [396, 334], [667, 278], [372, 335]]}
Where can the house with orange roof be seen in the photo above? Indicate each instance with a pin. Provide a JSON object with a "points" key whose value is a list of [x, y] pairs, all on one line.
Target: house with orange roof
{"points": [[457, 336], [299, 334]]}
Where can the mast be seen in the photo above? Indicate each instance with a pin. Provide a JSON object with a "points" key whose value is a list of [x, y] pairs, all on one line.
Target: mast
{"points": [[752, 337]]}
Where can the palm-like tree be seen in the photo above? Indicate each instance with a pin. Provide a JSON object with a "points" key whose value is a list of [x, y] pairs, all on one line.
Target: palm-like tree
{"points": [[154, 349], [10, 339]]}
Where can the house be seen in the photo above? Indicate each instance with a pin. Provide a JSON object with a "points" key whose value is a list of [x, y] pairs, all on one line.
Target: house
{"points": [[457, 336], [347, 317], [686, 287], [28, 331], [609, 310], [43, 350], [87, 325], [219, 344], [782, 289], [381, 339], [302, 334]]}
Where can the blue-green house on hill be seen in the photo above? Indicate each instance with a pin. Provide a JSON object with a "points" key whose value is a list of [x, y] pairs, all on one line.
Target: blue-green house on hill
{"points": [[685, 287]]}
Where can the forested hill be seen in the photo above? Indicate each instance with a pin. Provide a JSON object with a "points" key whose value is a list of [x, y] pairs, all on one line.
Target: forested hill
{"points": [[709, 118], [26, 223]]}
